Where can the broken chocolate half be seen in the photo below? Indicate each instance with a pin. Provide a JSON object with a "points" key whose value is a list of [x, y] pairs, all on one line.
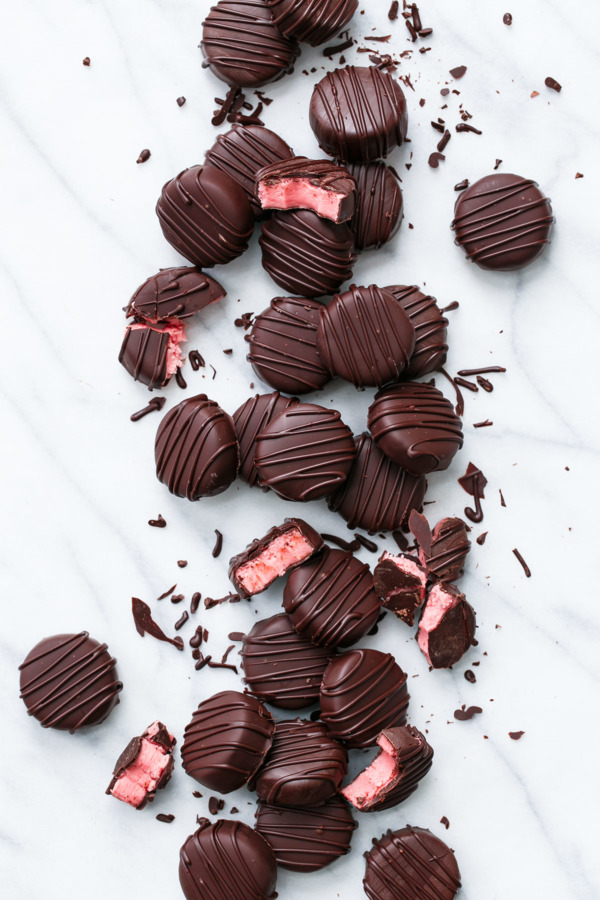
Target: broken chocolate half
{"points": [[144, 767], [400, 582]]}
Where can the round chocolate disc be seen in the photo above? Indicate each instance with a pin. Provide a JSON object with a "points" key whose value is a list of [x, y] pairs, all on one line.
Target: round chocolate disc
{"points": [[411, 864], [69, 681], [363, 692], [180, 291], [502, 221], [305, 453], [314, 22], [430, 329], [205, 215], [416, 426], [196, 449], [249, 420], [379, 204]]}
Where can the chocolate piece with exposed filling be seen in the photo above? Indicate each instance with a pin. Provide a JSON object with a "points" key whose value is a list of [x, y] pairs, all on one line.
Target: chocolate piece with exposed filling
{"points": [[178, 292], [400, 581], [379, 204], [312, 23], [447, 626], [249, 420], [151, 353], [431, 329], [300, 183], [410, 864], [144, 767]]}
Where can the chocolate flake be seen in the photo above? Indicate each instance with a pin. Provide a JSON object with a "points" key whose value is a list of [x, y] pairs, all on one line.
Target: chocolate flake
{"points": [[470, 676], [338, 48], [444, 92], [460, 400], [553, 84], [197, 795], [425, 32], [445, 821], [195, 602], [435, 159], [366, 543], [464, 714], [181, 382], [214, 372], [177, 598], [578, 175], [215, 805], [180, 101], [393, 11], [464, 126], [451, 306], [482, 370], [414, 11], [181, 621], [443, 143], [502, 500], [507, 19], [166, 817], [458, 72], [158, 523], [233, 810], [87, 61], [210, 602], [144, 156], [516, 735], [196, 361], [481, 539], [498, 162], [485, 384], [167, 593], [341, 543], [196, 639], [462, 185], [469, 385], [216, 550], [439, 126], [526, 568], [225, 106], [400, 540], [145, 624], [411, 29], [155, 405], [474, 482], [236, 635], [485, 424]]}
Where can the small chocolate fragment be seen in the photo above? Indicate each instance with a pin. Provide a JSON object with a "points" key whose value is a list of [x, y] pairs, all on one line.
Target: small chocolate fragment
{"points": [[178, 292], [165, 817], [553, 84], [312, 23], [379, 206], [410, 864], [152, 353], [216, 551], [155, 405], [300, 183], [524, 565], [249, 420], [145, 624], [516, 735], [458, 72], [464, 715], [144, 767], [435, 159], [181, 101], [144, 156], [444, 550], [400, 581], [87, 61], [158, 523], [507, 19], [447, 626], [430, 329]]}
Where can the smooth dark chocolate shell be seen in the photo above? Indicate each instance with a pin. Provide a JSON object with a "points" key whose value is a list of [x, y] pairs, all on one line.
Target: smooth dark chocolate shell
{"points": [[312, 21], [144, 355], [379, 204], [249, 420], [411, 864], [431, 329], [178, 292]]}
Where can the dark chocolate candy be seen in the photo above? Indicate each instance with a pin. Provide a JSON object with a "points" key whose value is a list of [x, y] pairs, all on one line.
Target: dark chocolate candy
{"points": [[444, 550], [363, 692], [365, 336], [446, 627], [400, 582], [281, 666], [379, 204], [242, 46], [249, 420], [306, 254], [304, 767], [416, 426], [227, 860], [378, 494], [305, 453], [283, 346], [305, 840], [358, 113], [502, 221], [430, 329], [227, 740], [331, 600], [411, 864], [313, 22], [69, 681], [301, 183], [181, 292], [151, 354], [144, 767], [196, 449], [205, 215]]}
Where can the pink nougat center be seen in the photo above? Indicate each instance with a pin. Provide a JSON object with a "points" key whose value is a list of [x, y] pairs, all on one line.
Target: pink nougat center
{"points": [[438, 603], [176, 332], [300, 194], [285, 551], [367, 786], [143, 775], [406, 565]]}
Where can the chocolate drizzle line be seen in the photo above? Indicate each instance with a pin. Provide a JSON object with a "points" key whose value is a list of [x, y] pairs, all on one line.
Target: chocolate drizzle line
{"points": [[145, 624], [158, 523], [155, 405], [196, 361], [218, 544], [526, 568], [483, 370], [460, 400]]}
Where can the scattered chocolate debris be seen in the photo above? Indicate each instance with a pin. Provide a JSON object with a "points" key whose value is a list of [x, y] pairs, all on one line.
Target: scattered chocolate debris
{"points": [[516, 735], [245, 321], [155, 405], [553, 84], [481, 539], [144, 156], [439, 126], [261, 96], [458, 72], [534, 94], [451, 306], [400, 540], [485, 424], [481, 371], [215, 805], [158, 523], [341, 543], [181, 621], [167, 593], [422, 101], [181, 382], [526, 568], [464, 714], [234, 95], [197, 795], [464, 126], [338, 48], [502, 500], [87, 61], [507, 19], [578, 175], [445, 821], [205, 634], [498, 162], [195, 602], [444, 92], [166, 817], [470, 676], [196, 361], [366, 543], [220, 665], [469, 385], [202, 661], [462, 185], [226, 654], [182, 563], [216, 550], [210, 602], [180, 101], [411, 29], [236, 635], [196, 639], [177, 598], [435, 159], [485, 384], [214, 372], [145, 624], [233, 810], [425, 32], [383, 39], [416, 17], [443, 143], [474, 482], [460, 400], [393, 12]]}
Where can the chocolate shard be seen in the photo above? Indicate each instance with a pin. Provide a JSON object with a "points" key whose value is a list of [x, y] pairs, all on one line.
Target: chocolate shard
{"points": [[447, 626], [401, 582], [301, 183], [145, 766]]}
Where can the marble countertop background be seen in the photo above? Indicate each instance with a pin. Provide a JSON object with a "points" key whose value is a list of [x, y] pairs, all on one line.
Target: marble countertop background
{"points": [[78, 484]]}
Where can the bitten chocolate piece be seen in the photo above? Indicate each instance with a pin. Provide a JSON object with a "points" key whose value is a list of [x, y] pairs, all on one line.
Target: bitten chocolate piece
{"points": [[205, 215], [358, 113], [400, 581], [314, 22], [378, 494], [249, 420], [431, 329], [227, 859], [442, 552], [304, 767], [196, 449], [227, 740], [267, 558], [152, 353], [411, 864], [404, 759], [502, 221], [305, 840], [305, 453], [69, 681], [416, 426], [365, 337], [447, 626], [144, 767], [306, 254], [178, 292], [242, 46], [301, 183], [379, 204], [282, 667], [363, 692], [331, 600]]}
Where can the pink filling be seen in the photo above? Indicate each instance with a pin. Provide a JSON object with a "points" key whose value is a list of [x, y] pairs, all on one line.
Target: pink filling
{"points": [[144, 774], [282, 553], [367, 786], [406, 565], [176, 331], [297, 194], [438, 603]]}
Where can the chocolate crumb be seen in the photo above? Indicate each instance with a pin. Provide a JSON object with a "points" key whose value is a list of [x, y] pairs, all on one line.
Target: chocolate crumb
{"points": [[181, 621], [203, 661], [444, 92], [502, 500], [227, 652], [578, 175], [444, 141], [87, 61], [464, 715], [435, 159], [167, 593], [534, 94], [338, 48], [215, 805], [216, 550], [553, 84], [233, 810], [411, 30], [464, 126], [425, 32], [507, 19], [166, 817], [481, 539], [498, 162], [366, 543], [439, 126], [155, 405], [202, 820], [210, 602], [341, 543], [470, 676], [462, 185], [197, 794], [144, 156], [485, 384], [196, 639], [196, 361], [393, 11], [158, 523], [469, 385], [458, 72], [234, 97], [422, 101], [182, 563], [214, 372], [445, 821], [180, 101], [526, 568], [195, 602], [516, 735]]}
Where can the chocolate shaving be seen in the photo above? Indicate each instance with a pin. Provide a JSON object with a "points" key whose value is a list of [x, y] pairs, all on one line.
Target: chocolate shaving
{"points": [[460, 400], [87, 60], [474, 482], [341, 543], [444, 92], [383, 39], [338, 48], [435, 159], [226, 105], [145, 624], [181, 101], [196, 361], [167, 593], [144, 156], [481, 539], [181, 382], [444, 141], [485, 384], [202, 661], [195, 602], [266, 100], [182, 563], [481, 371], [400, 540], [464, 714], [158, 523], [463, 126], [419, 526], [210, 602], [470, 676], [445, 821], [214, 372], [516, 735], [414, 10], [393, 11], [215, 805], [425, 32], [485, 424], [462, 185], [526, 568], [578, 175], [458, 72], [439, 126], [216, 550], [181, 621], [411, 29], [366, 543], [233, 810], [502, 500], [219, 665], [469, 385], [155, 405], [177, 598], [498, 162], [166, 817], [553, 84], [196, 639]]}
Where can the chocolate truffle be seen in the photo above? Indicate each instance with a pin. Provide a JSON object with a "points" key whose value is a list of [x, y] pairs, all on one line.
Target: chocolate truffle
{"points": [[305, 840], [411, 864], [400, 582], [283, 346], [306, 254], [69, 681], [415, 426], [227, 740], [196, 449], [249, 420], [331, 600], [144, 767], [305, 453], [205, 215], [442, 552], [180, 292], [313, 22], [282, 548], [363, 692], [430, 327], [242, 46], [227, 860], [447, 626], [378, 495], [242, 152], [151, 353], [502, 222], [379, 204], [301, 183], [365, 337], [281, 666], [304, 767], [358, 113]]}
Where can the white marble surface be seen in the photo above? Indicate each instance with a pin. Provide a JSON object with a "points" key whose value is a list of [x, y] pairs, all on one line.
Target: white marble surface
{"points": [[78, 483]]}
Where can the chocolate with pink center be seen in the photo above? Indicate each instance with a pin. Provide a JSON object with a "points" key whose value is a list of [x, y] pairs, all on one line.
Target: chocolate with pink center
{"points": [[145, 766], [151, 351], [301, 183], [447, 626], [400, 582]]}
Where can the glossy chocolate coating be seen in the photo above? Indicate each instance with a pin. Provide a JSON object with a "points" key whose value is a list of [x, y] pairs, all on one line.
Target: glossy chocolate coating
{"points": [[242, 46], [305, 840], [205, 215], [227, 740], [305, 453], [452, 637], [416, 426], [502, 221], [306, 254], [378, 495], [249, 420], [181, 292], [312, 21], [413, 756], [444, 550], [379, 206], [304, 767], [69, 681], [365, 337], [331, 600], [430, 329], [283, 346], [363, 692], [144, 355], [411, 864], [281, 666], [322, 174], [196, 449], [358, 113]]}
